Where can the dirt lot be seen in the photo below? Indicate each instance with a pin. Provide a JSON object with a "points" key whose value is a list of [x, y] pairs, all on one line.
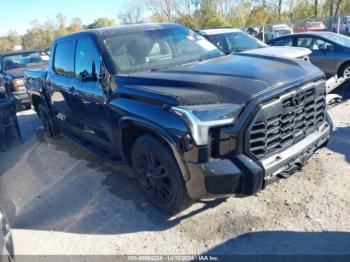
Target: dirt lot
{"points": [[62, 199]]}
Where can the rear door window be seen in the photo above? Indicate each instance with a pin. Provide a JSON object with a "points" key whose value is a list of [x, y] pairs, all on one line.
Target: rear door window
{"points": [[306, 42], [319, 42], [64, 58]]}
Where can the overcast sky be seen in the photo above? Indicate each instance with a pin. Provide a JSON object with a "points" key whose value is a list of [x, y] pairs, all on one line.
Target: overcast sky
{"points": [[17, 14]]}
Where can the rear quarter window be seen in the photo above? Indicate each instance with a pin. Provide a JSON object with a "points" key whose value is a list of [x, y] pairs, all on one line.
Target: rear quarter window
{"points": [[64, 58]]}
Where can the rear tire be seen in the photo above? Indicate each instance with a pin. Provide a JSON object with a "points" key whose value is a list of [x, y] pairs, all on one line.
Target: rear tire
{"points": [[158, 175], [49, 127]]}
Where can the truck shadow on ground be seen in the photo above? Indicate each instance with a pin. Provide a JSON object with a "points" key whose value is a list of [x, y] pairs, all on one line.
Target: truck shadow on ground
{"points": [[90, 196], [340, 142], [343, 90], [286, 246]]}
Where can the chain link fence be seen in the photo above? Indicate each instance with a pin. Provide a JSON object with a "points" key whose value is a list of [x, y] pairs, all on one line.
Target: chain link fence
{"points": [[336, 24]]}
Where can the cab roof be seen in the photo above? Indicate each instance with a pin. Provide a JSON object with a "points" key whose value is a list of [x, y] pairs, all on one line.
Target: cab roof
{"points": [[123, 29]]}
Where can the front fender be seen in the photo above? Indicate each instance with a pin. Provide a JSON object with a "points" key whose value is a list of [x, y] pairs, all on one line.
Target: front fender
{"points": [[157, 130]]}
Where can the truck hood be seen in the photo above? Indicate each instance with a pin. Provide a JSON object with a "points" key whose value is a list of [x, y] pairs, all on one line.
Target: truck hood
{"points": [[19, 72], [284, 51], [228, 79]]}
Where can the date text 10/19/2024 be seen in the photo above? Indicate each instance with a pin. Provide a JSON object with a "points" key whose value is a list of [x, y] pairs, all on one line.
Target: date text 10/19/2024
{"points": [[173, 258]]}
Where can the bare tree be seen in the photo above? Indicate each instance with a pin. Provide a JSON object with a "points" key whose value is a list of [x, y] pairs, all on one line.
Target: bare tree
{"points": [[279, 8], [331, 8], [132, 15], [316, 8], [163, 9], [337, 7]]}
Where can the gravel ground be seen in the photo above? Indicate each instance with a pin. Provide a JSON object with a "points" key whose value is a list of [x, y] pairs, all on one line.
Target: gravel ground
{"points": [[61, 199]]}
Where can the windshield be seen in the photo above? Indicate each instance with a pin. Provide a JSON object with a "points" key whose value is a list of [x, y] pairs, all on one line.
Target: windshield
{"points": [[339, 39], [158, 49], [22, 60], [236, 42]]}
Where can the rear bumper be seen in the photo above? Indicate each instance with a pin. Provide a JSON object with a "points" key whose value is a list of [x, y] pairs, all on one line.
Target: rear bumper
{"points": [[244, 176]]}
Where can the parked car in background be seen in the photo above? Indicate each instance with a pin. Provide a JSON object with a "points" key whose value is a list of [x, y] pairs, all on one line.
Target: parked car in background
{"points": [[273, 31], [191, 121], [232, 40], [6, 243], [254, 31], [344, 26], [330, 51], [313, 26], [12, 67]]}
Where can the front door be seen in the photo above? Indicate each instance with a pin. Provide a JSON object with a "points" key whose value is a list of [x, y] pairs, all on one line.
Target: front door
{"points": [[90, 98], [323, 58]]}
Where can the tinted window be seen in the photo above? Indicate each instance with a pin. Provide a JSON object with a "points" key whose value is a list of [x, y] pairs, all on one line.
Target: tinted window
{"points": [[283, 42], [313, 43], [87, 60], [64, 58]]}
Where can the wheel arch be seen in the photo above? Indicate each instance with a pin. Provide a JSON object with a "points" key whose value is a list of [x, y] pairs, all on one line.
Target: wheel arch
{"points": [[131, 128], [38, 97], [36, 100], [341, 67]]}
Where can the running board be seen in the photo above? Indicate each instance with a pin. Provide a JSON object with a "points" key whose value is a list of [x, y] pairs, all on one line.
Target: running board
{"points": [[92, 148]]}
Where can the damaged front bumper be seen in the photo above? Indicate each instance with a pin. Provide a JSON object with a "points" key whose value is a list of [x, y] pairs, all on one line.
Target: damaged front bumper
{"points": [[242, 175]]}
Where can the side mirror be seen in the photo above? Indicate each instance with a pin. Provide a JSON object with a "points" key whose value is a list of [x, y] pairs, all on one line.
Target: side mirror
{"points": [[322, 47], [105, 79]]}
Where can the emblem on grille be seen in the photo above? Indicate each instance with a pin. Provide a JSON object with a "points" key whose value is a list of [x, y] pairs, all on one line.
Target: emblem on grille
{"points": [[299, 98]]}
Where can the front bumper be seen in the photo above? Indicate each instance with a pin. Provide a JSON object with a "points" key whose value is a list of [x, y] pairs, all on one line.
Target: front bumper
{"points": [[242, 175]]}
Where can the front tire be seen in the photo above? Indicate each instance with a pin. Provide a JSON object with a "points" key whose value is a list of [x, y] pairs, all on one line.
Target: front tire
{"points": [[19, 107], [50, 128], [158, 175]]}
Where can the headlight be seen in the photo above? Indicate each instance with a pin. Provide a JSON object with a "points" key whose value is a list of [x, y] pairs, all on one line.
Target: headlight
{"points": [[2, 89], [17, 83], [202, 117]]}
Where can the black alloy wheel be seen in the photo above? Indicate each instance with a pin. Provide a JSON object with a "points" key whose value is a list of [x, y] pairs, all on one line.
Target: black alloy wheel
{"points": [[158, 175]]}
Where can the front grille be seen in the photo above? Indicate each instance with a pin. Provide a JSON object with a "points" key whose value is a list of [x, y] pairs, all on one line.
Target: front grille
{"points": [[285, 120]]}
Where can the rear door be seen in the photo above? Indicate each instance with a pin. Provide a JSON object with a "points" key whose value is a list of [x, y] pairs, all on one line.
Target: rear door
{"points": [[90, 99], [323, 59], [59, 83]]}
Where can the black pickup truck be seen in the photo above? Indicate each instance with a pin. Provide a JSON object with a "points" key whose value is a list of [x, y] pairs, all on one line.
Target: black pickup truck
{"points": [[12, 67], [190, 121]]}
